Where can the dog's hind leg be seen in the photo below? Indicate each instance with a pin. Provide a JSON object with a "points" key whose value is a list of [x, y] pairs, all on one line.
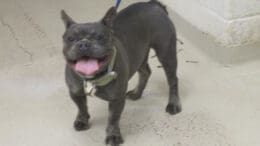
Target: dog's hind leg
{"points": [[144, 74], [166, 53]]}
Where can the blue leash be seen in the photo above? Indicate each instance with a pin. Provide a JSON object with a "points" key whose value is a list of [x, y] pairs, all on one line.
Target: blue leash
{"points": [[118, 3]]}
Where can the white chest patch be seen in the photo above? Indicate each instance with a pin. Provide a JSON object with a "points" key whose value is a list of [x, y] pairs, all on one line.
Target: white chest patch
{"points": [[90, 88]]}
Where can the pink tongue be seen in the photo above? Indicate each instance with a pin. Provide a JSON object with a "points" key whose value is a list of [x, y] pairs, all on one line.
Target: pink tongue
{"points": [[87, 66]]}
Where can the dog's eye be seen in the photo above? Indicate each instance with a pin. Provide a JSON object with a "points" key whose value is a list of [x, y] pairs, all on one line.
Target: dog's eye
{"points": [[71, 39]]}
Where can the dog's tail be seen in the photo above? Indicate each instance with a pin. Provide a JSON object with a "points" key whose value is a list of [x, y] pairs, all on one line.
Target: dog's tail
{"points": [[160, 4]]}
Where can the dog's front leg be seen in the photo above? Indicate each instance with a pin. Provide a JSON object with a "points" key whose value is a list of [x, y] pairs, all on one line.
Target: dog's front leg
{"points": [[81, 121], [116, 107], [77, 94]]}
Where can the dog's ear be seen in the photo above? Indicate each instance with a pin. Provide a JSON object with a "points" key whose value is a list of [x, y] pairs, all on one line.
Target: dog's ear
{"points": [[109, 17], [68, 21]]}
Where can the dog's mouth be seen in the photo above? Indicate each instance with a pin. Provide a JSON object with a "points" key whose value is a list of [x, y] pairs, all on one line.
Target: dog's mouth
{"points": [[89, 66]]}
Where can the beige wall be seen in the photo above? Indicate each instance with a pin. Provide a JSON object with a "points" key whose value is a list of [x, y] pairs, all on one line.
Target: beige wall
{"points": [[230, 22]]}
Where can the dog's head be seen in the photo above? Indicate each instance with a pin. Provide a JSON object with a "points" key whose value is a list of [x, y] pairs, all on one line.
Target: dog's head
{"points": [[88, 46]]}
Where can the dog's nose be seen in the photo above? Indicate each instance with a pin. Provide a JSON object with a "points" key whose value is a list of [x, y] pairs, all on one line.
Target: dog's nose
{"points": [[83, 46]]}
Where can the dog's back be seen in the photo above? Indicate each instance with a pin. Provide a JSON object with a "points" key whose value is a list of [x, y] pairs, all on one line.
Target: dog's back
{"points": [[160, 4], [145, 24]]}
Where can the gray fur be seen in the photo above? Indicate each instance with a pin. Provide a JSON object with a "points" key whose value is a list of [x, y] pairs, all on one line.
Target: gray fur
{"points": [[133, 31]]}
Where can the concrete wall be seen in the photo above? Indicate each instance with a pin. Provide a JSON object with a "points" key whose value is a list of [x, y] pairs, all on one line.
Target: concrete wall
{"points": [[230, 22]]}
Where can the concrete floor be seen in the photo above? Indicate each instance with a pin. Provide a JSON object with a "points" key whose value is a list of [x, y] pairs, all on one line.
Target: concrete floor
{"points": [[221, 104]]}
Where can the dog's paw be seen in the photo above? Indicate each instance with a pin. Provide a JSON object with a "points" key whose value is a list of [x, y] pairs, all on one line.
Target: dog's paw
{"points": [[173, 109], [133, 95], [114, 140], [81, 125], [81, 122]]}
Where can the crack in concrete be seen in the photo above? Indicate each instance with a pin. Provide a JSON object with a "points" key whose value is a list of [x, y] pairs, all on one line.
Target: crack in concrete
{"points": [[13, 34], [36, 27], [38, 30]]}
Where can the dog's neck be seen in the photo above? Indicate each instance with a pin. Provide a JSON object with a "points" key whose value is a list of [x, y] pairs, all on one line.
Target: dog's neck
{"points": [[109, 75]]}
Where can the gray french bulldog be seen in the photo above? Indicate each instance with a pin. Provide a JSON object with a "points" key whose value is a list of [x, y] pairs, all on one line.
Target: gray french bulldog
{"points": [[111, 51]]}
